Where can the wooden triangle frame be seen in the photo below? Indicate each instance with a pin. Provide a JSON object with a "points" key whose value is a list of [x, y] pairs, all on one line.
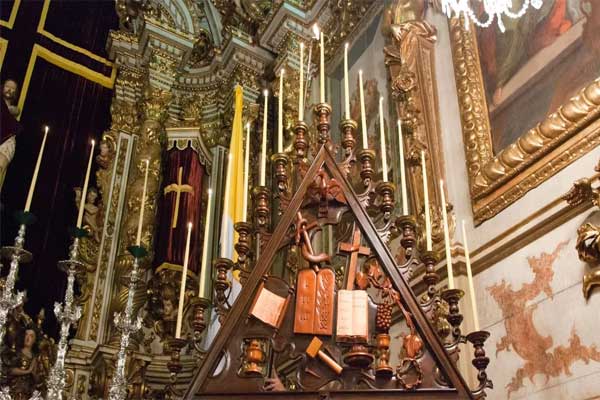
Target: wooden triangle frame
{"points": [[378, 247]]}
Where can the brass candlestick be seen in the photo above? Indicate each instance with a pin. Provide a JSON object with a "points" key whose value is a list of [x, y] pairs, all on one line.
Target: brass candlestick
{"points": [[222, 285], [431, 277], [348, 127], [323, 112], [300, 142], [242, 247], [386, 191], [480, 362], [455, 318], [366, 157], [407, 225]]}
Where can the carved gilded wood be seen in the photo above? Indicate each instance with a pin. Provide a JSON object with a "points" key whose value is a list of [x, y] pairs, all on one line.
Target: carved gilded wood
{"points": [[410, 58], [498, 180]]}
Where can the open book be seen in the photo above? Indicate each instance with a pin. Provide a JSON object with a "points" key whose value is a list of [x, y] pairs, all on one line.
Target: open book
{"points": [[353, 315], [269, 307]]}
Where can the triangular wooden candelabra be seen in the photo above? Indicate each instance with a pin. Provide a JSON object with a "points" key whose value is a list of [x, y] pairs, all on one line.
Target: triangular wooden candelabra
{"points": [[257, 342]]}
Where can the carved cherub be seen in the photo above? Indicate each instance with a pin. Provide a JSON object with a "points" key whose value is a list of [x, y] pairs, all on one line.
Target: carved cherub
{"points": [[91, 212], [106, 154]]}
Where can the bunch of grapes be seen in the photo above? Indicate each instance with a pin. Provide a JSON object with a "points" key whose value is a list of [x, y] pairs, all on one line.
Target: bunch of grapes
{"points": [[383, 318]]}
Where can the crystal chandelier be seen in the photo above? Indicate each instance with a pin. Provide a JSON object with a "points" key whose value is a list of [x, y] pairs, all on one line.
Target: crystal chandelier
{"points": [[491, 8]]}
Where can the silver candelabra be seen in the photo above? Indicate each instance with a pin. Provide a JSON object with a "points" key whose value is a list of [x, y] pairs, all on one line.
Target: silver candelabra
{"points": [[17, 254], [127, 324], [67, 314]]}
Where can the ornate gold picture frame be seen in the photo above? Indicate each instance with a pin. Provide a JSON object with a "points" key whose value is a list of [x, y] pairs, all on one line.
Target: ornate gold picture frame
{"points": [[498, 180]]}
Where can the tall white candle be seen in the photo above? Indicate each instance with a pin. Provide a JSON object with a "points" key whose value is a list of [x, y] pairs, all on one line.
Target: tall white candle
{"points": [[447, 238], [426, 203], [36, 171], [470, 278], [346, 83], [322, 70], [382, 141], [138, 239], [85, 187], [186, 257], [280, 114], [402, 171], [225, 237], [205, 267], [301, 86], [363, 114], [246, 174], [263, 150]]}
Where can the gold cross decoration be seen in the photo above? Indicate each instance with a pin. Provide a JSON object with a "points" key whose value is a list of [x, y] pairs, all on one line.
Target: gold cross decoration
{"points": [[178, 188], [355, 249]]}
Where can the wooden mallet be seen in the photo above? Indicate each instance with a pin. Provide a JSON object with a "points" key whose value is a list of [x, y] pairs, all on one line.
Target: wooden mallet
{"points": [[314, 349]]}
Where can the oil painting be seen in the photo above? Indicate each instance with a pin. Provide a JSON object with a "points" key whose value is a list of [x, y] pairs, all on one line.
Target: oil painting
{"points": [[537, 64]]}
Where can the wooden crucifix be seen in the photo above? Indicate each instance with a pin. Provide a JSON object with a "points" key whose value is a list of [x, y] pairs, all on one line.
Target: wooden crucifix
{"points": [[178, 188], [354, 249]]}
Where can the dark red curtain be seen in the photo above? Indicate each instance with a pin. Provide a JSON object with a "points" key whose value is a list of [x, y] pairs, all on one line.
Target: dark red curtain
{"points": [[77, 110], [170, 246]]}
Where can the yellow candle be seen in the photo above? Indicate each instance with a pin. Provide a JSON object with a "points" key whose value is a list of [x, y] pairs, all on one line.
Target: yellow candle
{"points": [[447, 238], [346, 84], [138, 239], [363, 114], [85, 187], [402, 171], [322, 70], [382, 141], [246, 173], [205, 268], [183, 279], [36, 171], [224, 236], [470, 278], [280, 114], [426, 203], [263, 150], [301, 86]]}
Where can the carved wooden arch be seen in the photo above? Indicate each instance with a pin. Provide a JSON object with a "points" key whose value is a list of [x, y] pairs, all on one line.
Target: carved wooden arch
{"points": [[378, 247]]}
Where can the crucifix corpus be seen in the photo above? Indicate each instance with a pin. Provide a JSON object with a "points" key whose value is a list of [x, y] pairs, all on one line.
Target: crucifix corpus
{"points": [[178, 188]]}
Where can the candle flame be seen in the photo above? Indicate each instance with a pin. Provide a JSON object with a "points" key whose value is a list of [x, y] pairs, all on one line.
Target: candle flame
{"points": [[46, 128], [147, 163], [266, 92], [301, 45], [210, 191], [282, 71], [189, 226], [248, 125], [346, 45], [360, 71], [93, 142]]}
